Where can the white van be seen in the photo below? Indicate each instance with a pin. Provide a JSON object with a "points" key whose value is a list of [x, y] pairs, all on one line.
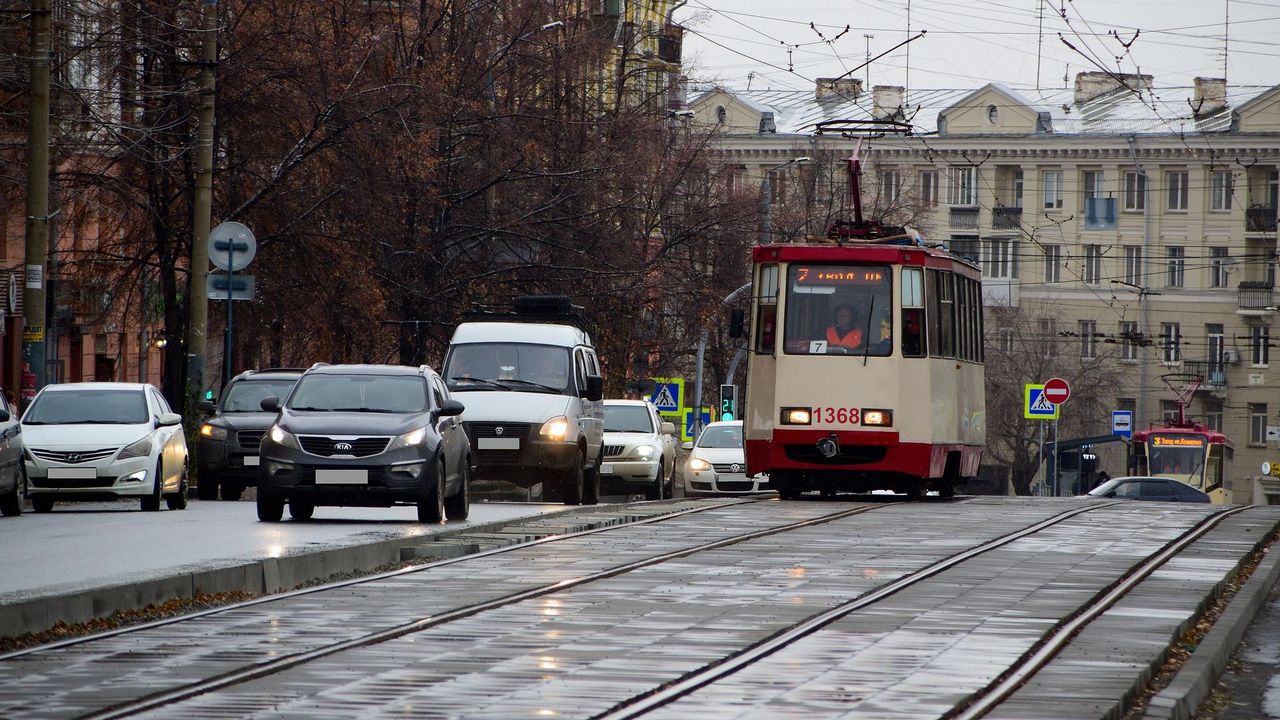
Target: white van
{"points": [[531, 383]]}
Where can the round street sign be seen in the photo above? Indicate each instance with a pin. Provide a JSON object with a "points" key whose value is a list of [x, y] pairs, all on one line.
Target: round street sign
{"points": [[232, 246], [1266, 468], [1057, 391]]}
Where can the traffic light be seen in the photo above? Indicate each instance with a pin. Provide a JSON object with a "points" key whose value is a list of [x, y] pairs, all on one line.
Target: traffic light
{"points": [[208, 394], [728, 401]]}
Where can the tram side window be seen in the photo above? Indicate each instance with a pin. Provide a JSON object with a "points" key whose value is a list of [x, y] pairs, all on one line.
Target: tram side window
{"points": [[913, 337], [963, 336], [942, 314], [839, 310], [766, 329]]}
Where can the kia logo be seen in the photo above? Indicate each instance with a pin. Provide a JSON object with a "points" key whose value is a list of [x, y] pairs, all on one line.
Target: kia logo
{"points": [[734, 467], [345, 446], [498, 430]]}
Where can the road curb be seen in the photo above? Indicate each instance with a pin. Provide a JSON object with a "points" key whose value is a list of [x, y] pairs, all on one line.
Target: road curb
{"points": [[265, 576], [1193, 682]]}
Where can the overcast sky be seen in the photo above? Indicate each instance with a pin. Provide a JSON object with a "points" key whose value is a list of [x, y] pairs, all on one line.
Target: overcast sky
{"points": [[972, 42]]}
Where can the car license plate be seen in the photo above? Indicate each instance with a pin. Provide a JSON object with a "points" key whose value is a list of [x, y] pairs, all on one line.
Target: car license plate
{"points": [[606, 469], [72, 473], [498, 443], [250, 460], [342, 477]]}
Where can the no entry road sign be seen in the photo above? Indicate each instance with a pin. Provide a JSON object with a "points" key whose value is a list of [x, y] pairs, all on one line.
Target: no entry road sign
{"points": [[1057, 391]]}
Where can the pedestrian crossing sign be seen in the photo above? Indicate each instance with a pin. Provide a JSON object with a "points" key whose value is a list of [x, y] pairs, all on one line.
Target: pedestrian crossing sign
{"points": [[1035, 406], [667, 394]]}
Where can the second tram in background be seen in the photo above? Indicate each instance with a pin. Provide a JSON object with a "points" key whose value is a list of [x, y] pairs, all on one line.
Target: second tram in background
{"points": [[1183, 449], [865, 370]]}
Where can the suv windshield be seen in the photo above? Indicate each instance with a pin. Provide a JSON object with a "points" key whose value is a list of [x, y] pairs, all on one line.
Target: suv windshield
{"points": [[360, 393], [723, 436], [247, 395], [627, 418], [511, 366], [96, 407]]}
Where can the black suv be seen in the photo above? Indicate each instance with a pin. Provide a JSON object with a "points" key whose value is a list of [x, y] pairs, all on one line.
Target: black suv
{"points": [[368, 436], [227, 447]]}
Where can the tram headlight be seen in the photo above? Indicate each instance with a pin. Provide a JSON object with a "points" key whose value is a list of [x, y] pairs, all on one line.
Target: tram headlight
{"points": [[881, 418], [797, 416]]}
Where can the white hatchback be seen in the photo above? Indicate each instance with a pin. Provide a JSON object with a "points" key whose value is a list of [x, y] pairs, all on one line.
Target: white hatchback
{"points": [[104, 441], [718, 464]]}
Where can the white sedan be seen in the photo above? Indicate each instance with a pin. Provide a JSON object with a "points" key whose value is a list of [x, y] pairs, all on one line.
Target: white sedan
{"points": [[104, 441]]}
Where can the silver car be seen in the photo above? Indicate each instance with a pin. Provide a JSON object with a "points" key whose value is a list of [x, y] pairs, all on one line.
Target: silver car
{"points": [[639, 449], [718, 464]]}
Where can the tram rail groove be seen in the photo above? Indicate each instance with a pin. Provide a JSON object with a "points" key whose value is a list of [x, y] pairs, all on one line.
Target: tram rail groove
{"points": [[271, 667], [676, 689], [60, 644]]}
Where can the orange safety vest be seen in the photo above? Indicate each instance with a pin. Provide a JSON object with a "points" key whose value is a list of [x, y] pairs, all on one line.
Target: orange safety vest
{"points": [[851, 339]]}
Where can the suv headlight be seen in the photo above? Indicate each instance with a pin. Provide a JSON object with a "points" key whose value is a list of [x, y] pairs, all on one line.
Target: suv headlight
{"points": [[557, 428], [283, 437], [142, 448], [699, 465], [213, 432], [412, 438], [643, 452]]}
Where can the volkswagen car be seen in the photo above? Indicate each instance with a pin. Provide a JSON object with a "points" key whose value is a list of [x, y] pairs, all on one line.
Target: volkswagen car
{"points": [[104, 441], [227, 446], [639, 449], [365, 436], [717, 463]]}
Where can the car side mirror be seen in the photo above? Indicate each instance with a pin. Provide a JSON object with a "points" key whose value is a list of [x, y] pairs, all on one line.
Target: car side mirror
{"points": [[206, 407], [668, 428], [4, 415], [686, 445], [450, 408], [737, 323], [168, 419], [595, 388], [270, 403]]}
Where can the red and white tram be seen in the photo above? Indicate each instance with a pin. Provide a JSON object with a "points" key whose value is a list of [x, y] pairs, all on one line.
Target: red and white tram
{"points": [[865, 370], [1184, 449]]}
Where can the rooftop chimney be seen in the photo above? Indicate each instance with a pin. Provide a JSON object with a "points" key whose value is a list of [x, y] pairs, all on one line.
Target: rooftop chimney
{"points": [[1090, 85], [837, 89], [1211, 96], [887, 99]]}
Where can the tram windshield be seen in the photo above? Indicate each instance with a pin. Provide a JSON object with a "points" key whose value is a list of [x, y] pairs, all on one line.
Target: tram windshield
{"points": [[1178, 456], [839, 310]]}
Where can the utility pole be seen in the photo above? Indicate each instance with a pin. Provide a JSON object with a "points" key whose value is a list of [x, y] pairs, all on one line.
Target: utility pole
{"points": [[868, 37], [197, 298], [37, 223]]}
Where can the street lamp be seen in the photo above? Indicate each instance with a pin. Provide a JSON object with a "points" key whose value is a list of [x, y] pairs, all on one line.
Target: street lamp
{"points": [[766, 197]]}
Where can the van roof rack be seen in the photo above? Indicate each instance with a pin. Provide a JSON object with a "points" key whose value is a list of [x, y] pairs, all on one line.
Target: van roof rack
{"points": [[553, 309]]}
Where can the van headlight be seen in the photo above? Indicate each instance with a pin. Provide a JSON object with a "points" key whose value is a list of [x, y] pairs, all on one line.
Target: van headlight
{"points": [[699, 465], [557, 428], [283, 437], [141, 448], [413, 438]]}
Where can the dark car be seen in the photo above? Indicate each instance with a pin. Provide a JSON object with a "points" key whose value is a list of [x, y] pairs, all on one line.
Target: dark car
{"points": [[13, 479], [365, 436], [227, 446], [1149, 488]]}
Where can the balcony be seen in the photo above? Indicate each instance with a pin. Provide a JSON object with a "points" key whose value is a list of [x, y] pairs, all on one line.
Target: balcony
{"points": [[1255, 298], [1006, 218], [1260, 219], [964, 218], [1213, 372]]}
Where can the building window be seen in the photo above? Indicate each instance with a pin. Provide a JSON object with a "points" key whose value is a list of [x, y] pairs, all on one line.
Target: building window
{"points": [[1218, 267], [1214, 346], [966, 247], [1052, 263], [1177, 267], [1006, 339], [1018, 185], [1135, 191], [1093, 185], [735, 179], [1257, 423], [777, 182], [1093, 264], [1088, 347], [1176, 183], [929, 187], [960, 186], [1000, 258], [1133, 265], [1128, 341], [1129, 404], [1051, 181], [1171, 340], [1260, 344], [890, 185], [1213, 415], [1222, 189], [1169, 411]]}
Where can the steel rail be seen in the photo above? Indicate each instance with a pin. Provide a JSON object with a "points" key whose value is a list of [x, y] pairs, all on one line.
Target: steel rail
{"points": [[270, 667], [986, 700], [368, 578], [676, 689]]}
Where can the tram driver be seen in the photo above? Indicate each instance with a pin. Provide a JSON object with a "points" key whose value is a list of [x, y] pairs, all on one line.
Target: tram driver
{"points": [[843, 333]]}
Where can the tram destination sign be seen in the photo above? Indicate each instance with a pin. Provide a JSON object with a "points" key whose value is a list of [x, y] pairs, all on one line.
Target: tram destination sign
{"points": [[828, 275]]}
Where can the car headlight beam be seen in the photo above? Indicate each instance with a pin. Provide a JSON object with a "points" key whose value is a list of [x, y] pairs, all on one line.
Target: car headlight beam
{"points": [[699, 465], [557, 428], [141, 448], [412, 438], [213, 432], [643, 451], [283, 437]]}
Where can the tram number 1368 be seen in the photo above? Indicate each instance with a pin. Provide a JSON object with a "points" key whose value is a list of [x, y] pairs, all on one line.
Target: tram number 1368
{"points": [[837, 416]]}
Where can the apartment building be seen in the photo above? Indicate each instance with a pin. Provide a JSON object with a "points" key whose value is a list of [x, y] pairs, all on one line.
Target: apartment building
{"points": [[1119, 213]]}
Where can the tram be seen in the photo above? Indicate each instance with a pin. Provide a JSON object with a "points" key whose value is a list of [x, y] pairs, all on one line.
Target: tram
{"points": [[1183, 449], [865, 371]]}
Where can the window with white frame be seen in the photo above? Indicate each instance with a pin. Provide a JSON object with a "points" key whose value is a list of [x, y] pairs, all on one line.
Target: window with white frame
{"points": [[1221, 189], [1135, 191], [1018, 186], [1052, 263], [929, 187], [1088, 339], [777, 182], [1257, 423], [1171, 341], [1051, 183], [1260, 344], [1093, 185], [890, 185], [1093, 264], [1169, 411], [1006, 339], [1213, 415], [1177, 267], [735, 179], [1133, 264], [1218, 267], [961, 186], [999, 258], [1175, 182], [1128, 340]]}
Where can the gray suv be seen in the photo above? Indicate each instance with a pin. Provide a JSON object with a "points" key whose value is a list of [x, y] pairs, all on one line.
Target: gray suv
{"points": [[227, 445]]}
